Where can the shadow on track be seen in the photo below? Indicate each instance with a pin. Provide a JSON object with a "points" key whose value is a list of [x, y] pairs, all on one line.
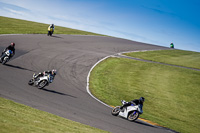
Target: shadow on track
{"points": [[56, 92], [56, 36], [18, 67]]}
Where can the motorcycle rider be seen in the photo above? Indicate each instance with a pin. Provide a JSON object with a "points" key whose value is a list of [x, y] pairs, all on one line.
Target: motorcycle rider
{"points": [[171, 45], [134, 102], [10, 47], [52, 73], [51, 26]]}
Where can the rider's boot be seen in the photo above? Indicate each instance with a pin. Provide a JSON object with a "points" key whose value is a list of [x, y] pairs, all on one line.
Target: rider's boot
{"points": [[121, 109]]}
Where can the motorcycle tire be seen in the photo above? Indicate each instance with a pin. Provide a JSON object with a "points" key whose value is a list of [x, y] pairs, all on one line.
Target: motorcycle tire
{"points": [[4, 62], [132, 116], [116, 111], [31, 82], [42, 84]]}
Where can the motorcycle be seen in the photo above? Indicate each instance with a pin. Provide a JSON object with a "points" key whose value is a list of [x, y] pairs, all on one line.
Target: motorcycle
{"points": [[41, 82], [50, 31], [6, 56], [131, 112]]}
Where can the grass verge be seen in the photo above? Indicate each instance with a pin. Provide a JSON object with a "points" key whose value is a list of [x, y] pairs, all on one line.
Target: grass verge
{"points": [[18, 118], [172, 94], [17, 26], [175, 57]]}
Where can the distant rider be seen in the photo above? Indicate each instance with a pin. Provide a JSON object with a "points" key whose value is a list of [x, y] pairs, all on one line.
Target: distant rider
{"points": [[171, 45], [52, 74], [51, 26], [134, 102], [10, 47]]}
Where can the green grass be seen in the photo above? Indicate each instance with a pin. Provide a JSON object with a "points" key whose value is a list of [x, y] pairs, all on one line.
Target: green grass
{"points": [[172, 94], [175, 57], [18, 118], [17, 26]]}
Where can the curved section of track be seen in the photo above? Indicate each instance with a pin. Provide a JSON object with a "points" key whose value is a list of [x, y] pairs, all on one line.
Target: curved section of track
{"points": [[73, 57]]}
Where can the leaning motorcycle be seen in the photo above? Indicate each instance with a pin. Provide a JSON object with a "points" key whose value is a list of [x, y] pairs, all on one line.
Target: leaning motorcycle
{"points": [[131, 112], [5, 56], [41, 82], [50, 31]]}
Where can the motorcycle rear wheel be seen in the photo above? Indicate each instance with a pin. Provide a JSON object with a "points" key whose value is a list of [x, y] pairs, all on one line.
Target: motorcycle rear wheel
{"points": [[116, 111], [133, 116]]}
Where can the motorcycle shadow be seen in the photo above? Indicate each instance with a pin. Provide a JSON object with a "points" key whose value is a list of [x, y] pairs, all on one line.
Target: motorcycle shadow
{"points": [[56, 36], [18, 67], [56, 92]]}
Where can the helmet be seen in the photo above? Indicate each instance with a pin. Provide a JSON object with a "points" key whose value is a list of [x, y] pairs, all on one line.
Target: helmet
{"points": [[13, 44], [54, 71], [52, 24], [142, 99]]}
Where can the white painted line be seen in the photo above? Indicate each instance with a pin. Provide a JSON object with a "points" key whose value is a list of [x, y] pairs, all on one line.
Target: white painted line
{"points": [[87, 87], [12, 34]]}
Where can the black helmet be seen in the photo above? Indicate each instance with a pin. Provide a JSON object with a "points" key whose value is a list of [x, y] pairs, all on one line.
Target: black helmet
{"points": [[142, 99]]}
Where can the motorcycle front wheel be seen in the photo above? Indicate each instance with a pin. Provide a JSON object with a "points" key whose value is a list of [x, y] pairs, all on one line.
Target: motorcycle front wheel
{"points": [[4, 61], [115, 111], [42, 84], [133, 116]]}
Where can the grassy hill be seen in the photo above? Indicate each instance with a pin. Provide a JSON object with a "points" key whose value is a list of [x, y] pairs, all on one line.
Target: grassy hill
{"points": [[18, 118], [174, 57], [17, 26], [172, 93]]}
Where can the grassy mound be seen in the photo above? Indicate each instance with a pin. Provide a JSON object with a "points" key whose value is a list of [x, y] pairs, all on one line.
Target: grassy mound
{"points": [[18, 118], [172, 93], [175, 57], [17, 26]]}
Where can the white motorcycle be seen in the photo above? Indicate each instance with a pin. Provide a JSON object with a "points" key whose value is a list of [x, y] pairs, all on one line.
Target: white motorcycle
{"points": [[41, 82], [6, 56], [131, 112]]}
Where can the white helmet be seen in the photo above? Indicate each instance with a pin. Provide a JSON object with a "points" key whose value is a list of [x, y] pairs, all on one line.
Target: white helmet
{"points": [[54, 71]]}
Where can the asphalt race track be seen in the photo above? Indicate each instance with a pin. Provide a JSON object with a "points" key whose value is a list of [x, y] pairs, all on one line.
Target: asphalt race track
{"points": [[73, 56]]}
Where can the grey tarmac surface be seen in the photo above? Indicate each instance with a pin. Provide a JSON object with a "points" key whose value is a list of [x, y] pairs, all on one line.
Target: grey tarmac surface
{"points": [[73, 56]]}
